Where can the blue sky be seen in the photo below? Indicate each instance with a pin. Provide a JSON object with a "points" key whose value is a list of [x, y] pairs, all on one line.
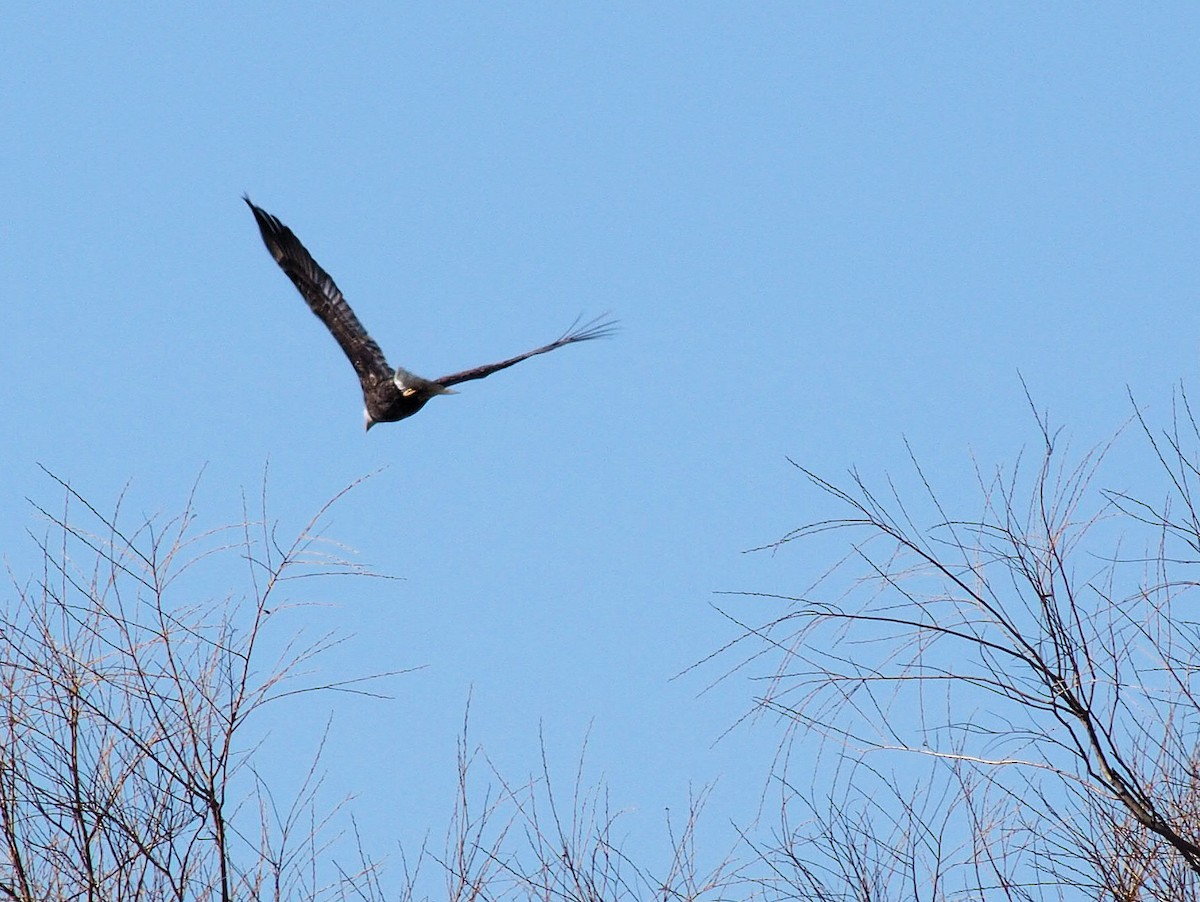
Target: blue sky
{"points": [[825, 229]]}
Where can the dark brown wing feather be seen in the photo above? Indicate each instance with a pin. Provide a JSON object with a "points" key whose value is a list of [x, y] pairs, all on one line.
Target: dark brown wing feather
{"points": [[323, 297], [600, 327]]}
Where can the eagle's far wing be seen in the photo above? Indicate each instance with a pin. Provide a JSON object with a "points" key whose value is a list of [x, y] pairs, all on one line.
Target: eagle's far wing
{"points": [[600, 327], [323, 296]]}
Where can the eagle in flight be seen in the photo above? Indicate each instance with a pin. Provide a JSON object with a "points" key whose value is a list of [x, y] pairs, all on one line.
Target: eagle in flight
{"points": [[389, 394]]}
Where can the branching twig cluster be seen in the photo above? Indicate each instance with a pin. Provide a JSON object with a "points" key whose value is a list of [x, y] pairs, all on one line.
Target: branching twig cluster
{"points": [[123, 701], [1046, 675]]}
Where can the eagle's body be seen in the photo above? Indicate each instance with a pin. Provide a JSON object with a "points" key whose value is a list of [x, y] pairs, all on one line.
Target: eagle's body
{"points": [[388, 394]]}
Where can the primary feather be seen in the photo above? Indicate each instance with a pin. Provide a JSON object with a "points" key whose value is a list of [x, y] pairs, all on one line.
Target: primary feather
{"points": [[389, 395]]}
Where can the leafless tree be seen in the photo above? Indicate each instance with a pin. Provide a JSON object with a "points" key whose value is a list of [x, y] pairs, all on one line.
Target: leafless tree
{"points": [[128, 695], [125, 694], [522, 841], [1001, 705]]}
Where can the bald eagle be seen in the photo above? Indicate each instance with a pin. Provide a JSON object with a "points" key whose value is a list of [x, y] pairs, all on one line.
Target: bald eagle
{"points": [[389, 394]]}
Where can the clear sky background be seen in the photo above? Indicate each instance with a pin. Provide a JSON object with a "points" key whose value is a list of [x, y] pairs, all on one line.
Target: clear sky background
{"points": [[825, 228]]}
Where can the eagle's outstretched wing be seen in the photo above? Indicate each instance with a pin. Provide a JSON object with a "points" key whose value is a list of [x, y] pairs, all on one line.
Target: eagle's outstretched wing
{"points": [[600, 327], [323, 297]]}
